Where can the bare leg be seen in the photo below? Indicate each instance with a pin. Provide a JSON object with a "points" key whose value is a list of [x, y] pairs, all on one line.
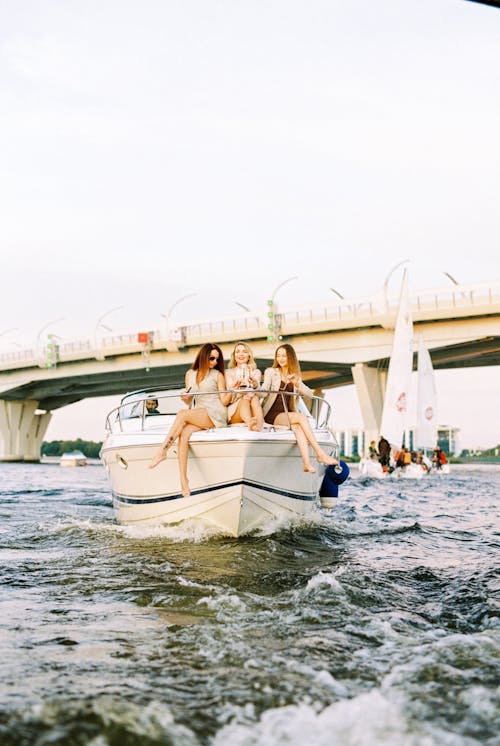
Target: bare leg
{"points": [[303, 447], [256, 410], [297, 418], [182, 457], [243, 413], [161, 453], [197, 416], [321, 455]]}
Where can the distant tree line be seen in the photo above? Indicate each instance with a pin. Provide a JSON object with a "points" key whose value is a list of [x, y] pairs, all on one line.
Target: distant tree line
{"points": [[471, 454], [57, 447]]}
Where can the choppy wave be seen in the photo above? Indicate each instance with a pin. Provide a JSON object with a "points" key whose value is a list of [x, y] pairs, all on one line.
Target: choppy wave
{"points": [[372, 623]]}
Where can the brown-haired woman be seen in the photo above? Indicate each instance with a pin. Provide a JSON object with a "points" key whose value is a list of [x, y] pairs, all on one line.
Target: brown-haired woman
{"points": [[243, 373], [285, 376], [207, 376]]}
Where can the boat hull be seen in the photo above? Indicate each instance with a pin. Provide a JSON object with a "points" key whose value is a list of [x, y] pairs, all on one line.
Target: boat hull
{"points": [[239, 481], [370, 468]]}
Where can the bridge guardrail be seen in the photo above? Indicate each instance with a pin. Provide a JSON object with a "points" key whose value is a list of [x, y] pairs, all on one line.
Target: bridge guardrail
{"points": [[377, 310]]}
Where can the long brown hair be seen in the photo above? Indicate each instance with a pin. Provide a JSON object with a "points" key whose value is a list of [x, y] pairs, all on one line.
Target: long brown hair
{"points": [[251, 362], [201, 362], [291, 360]]}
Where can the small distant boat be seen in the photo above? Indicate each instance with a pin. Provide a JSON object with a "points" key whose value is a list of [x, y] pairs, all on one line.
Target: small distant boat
{"points": [[73, 458], [371, 467]]}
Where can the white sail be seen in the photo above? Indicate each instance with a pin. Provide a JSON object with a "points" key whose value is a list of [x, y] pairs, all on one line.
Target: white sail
{"points": [[425, 437], [397, 392]]}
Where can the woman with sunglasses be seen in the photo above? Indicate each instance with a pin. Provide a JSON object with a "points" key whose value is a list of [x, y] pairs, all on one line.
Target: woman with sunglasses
{"points": [[285, 376], [206, 375], [243, 373]]}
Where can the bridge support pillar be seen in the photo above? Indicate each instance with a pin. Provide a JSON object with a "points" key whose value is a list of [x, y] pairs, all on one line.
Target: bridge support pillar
{"points": [[370, 387], [21, 430]]}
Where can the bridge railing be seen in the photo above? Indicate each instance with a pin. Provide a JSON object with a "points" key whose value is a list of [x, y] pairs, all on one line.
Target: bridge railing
{"points": [[458, 301]]}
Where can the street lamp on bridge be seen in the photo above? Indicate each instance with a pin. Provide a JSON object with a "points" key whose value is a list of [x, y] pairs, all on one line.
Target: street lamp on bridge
{"points": [[386, 283], [37, 344], [337, 293], [167, 315], [12, 329], [450, 277], [273, 322], [99, 324]]}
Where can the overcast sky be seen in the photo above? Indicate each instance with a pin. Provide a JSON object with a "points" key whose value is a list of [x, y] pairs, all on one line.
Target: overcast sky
{"points": [[159, 148]]}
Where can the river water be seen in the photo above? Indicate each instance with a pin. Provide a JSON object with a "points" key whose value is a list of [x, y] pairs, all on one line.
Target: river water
{"points": [[374, 623]]}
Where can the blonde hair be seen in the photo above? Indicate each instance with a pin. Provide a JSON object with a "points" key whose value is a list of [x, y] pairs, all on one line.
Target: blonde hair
{"points": [[251, 362]]}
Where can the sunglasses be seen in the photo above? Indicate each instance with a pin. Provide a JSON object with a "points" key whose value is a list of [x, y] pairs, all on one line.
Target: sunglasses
{"points": [[213, 359]]}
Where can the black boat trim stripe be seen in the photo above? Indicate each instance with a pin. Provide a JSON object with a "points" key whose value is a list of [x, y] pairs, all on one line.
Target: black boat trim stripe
{"points": [[213, 488]]}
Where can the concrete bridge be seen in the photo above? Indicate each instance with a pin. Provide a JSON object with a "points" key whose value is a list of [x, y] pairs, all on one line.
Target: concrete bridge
{"points": [[338, 344]]}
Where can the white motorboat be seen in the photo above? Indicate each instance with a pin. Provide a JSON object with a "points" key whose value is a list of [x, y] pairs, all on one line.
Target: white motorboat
{"points": [[240, 480], [73, 458]]}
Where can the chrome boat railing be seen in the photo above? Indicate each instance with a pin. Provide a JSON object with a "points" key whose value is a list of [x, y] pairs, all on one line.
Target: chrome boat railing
{"points": [[133, 405]]}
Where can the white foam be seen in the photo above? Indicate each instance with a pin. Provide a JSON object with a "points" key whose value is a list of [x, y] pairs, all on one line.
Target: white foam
{"points": [[152, 722], [274, 525], [224, 601], [324, 579], [194, 531], [367, 720]]}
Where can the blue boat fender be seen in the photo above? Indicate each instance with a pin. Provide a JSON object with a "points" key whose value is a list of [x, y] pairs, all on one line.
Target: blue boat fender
{"points": [[334, 475]]}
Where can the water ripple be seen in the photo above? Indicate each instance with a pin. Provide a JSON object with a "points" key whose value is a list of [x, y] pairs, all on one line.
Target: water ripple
{"points": [[373, 623]]}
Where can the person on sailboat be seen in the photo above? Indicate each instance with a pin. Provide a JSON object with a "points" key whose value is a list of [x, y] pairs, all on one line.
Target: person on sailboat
{"points": [[438, 458], [384, 451], [372, 451], [285, 375]]}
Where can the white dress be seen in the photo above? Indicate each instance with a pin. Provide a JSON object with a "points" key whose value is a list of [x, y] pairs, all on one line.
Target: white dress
{"points": [[215, 408], [231, 380]]}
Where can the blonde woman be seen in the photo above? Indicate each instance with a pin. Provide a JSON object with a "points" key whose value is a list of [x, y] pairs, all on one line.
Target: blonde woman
{"points": [[243, 373], [205, 375], [285, 376]]}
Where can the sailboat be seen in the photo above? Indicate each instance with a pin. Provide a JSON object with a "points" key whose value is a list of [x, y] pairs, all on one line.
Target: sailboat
{"points": [[397, 394], [426, 431]]}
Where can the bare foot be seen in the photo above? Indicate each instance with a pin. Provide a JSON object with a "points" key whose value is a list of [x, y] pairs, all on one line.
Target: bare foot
{"points": [[310, 468], [185, 491], [160, 455], [324, 458], [254, 425]]}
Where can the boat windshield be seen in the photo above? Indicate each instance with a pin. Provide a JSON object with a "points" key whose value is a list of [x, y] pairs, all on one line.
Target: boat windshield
{"points": [[149, 404]]}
